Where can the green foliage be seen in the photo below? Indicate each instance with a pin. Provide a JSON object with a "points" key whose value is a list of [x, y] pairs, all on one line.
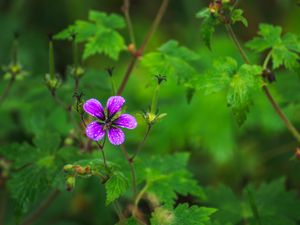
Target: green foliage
{"points": [[167, 176], [239, 83], [207, 27], [99, 34], [171, 59], [237, 16], [115, 187], [233, 209], [36, 168], [284, 49], [182, 215]]}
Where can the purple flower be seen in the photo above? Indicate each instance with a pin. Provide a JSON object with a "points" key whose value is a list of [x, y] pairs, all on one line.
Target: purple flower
{"points": [[109, 120]]}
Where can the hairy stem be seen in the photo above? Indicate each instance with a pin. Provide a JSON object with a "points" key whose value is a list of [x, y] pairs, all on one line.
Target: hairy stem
{"points": [[125, 9], [6, 90], [274, 104], [141, 145], [132, 170], [41, 209], [139, 52]]}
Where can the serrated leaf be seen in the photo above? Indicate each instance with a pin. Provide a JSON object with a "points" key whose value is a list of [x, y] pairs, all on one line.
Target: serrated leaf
{"points": [[275, 205], [207, 27], [108, 42], [239, 97], [284, 49], [166, 177], [172, 60], [99, 34], [218, 78], [228, 205], [237, 16], [115, 187], [182, 215], [112, 21]]}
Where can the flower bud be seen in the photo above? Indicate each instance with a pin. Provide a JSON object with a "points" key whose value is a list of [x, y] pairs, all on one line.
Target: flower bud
{"points": [[131, 48], [297, 153], [68, 167], [70, 183]]}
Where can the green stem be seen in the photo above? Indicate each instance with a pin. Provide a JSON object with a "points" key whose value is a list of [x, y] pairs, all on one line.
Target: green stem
{"points": [[274, 104], [7, 89], [51, 60], [113, 85], [155, 99], [125, 8], [267, 59], [141, 193], [141, 145], [132, 170]]}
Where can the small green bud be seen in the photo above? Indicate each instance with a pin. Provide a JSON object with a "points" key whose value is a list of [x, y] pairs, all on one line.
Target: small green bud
{"points": [[68, 168], [52, 82], [70, 183]]}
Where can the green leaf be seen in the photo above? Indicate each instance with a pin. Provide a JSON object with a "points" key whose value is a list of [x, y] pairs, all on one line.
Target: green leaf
{"points": [[218, 78], [228, 205], [47, 142], [115, 187], [284, 49], [172, 59], [182, 215], [275, 205], [243, 84], [167, 176], [237, 16], [109, 42], [99, 34], [112, 21]]}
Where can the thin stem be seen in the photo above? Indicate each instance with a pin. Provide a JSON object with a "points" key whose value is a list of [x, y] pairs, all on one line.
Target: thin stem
{"points": [[130, 163], [118, 210], [142, 143], [281, 114], [267, 59], [40, 210], [254, 207], [275, 105], [7, 89], [82, 120], [3, 200], [237, 43], [139, 52], [125, 9], [76, 85], [140, 194], [101, 146]]}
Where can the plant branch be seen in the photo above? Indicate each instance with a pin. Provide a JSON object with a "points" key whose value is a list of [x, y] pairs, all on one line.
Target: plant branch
{"points": [[142, 143], [7, 89], [139, 52], [41, 209], [274, 104], [130, 163], [125, 9]]}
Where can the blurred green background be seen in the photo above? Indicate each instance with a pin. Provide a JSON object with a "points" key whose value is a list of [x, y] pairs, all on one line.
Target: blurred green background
{"points": [[221, 151]]}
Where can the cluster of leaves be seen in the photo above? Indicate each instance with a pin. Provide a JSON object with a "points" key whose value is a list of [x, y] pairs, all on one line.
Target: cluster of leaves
{"points": [[36, 169], [240, 83], [283, 49], [171, 59], [218, 13], [99, 34], [269, 204]]}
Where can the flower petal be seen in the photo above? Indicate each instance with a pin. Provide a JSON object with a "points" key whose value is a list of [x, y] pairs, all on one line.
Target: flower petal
{"points": [[126, 121], [95, 131], [114, 104], [116, 136], [94, 108]]}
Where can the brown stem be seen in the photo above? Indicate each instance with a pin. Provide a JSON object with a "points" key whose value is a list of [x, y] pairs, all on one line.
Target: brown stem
{"points": [[3, 200], [130, 163], [275, 105], [139, 52], [125, 9], [41, 209], [7, 89]]}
